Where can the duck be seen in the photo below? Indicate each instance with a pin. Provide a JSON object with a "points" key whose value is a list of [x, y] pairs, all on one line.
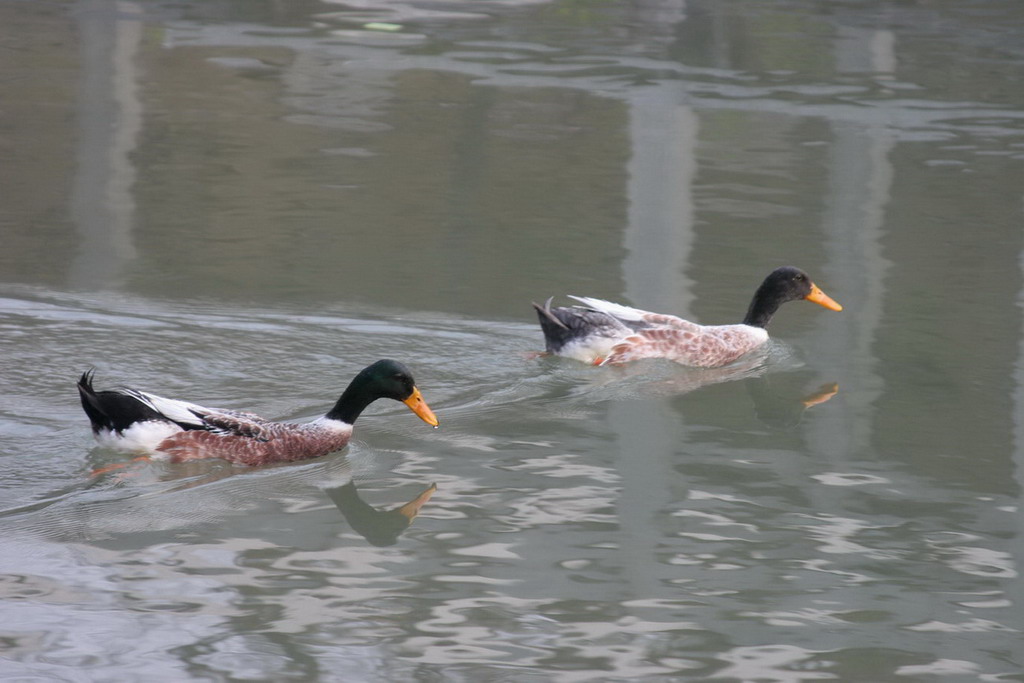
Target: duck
{"points": [[130, 420], [604, 333]]}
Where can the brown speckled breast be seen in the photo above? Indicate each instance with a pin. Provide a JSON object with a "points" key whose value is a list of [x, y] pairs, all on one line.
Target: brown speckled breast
{"points": [[707, 347], [278, 443]]}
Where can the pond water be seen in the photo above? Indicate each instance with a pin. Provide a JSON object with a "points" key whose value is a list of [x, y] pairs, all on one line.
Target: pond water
{"points": [[243, 204]]}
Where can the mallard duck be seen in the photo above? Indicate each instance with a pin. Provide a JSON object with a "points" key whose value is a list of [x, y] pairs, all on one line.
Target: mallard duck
{"points": [[601, 332], [132, 420]]}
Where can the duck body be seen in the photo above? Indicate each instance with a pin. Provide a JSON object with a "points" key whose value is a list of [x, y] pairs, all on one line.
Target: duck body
{"points": [[601, 332], [245, 441], [136, 421]]}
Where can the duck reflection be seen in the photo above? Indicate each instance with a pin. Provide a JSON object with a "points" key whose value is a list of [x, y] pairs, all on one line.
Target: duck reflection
{"points": [[149, 495], [776, 380], [379, 527], [780, 405]]}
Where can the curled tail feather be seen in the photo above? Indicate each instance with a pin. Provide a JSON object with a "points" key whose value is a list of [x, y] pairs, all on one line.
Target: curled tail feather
{"points": [[577, 327], [544, 312]]}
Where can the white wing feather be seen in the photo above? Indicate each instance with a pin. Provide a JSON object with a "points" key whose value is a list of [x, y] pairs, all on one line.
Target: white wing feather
{"points": [[637, 315], [173, 409], [613, 309]]}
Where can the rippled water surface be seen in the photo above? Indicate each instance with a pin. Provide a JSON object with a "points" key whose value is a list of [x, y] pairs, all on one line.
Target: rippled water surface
{"points": [[243, 204]]}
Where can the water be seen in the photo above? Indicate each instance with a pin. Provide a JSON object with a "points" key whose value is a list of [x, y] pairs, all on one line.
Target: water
{"points": [[243, 204]]}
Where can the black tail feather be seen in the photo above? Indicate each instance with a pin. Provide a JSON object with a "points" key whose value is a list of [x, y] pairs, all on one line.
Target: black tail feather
{"points": [[91, 403], [564, 325], [545, 314], [556, 332], [112, 410]]}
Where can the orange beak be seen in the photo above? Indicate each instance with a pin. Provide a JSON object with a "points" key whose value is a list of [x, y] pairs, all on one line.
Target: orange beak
{"points": [[419, 406], [822, 299], [412, 508]]}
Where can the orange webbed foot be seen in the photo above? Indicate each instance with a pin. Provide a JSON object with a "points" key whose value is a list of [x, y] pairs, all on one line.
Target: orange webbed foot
{"points": [[116, 466]]}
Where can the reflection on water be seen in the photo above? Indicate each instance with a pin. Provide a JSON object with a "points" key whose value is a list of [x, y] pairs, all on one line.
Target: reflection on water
{"points": [[778, 407], [379, 527], [248, 202], [157, 496]]}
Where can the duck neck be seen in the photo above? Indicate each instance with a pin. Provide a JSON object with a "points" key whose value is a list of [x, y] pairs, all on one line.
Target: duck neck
{"points": [[351, 403], [761, 310]]}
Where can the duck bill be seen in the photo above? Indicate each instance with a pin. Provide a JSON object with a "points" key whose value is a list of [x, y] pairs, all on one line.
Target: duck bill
{"points": [[412, 508], [822, 299], [821, 395], [419, 406]]}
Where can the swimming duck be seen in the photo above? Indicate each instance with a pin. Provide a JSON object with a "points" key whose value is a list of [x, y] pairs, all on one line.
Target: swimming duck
{"points": [[137, 421], [601, 332]]}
